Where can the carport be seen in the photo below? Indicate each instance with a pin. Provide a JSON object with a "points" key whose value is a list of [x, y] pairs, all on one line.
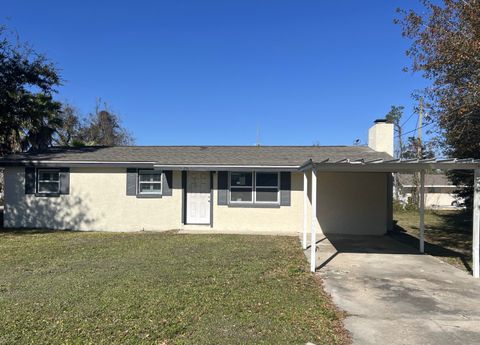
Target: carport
{"points": [[389, 166]]}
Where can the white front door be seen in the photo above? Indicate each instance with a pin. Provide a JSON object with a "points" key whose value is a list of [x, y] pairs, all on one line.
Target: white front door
{"points": [[198, 197]]}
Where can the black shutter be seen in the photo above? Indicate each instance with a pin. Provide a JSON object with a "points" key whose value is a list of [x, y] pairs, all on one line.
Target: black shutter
{"points": [[131, 181], [29, 180], [167, 180], [184, 197], [285, 188], [64, 180], [222, 187]]}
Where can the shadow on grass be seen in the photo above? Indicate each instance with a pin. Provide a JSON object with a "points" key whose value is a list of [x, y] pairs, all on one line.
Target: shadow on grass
{"points": [[26, 231], [447, 235], [454, 231]]}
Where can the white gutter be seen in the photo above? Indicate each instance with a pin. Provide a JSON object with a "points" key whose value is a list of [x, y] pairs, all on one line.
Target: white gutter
{"points": [[226, 167], [155, 165], [73, 163]]}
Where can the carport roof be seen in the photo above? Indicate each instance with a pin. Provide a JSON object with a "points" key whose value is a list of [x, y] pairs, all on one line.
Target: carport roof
{"points": [[388, 166], [391, 165]]}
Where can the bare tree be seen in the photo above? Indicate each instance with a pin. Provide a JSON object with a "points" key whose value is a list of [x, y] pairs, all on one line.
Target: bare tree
{"points": [[394, 116], [67, 134], [103, 127]]}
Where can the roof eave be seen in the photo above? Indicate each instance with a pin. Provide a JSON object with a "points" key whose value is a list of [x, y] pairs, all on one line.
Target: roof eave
{"points": [[151, 165], [70, 163], [226, 167]]}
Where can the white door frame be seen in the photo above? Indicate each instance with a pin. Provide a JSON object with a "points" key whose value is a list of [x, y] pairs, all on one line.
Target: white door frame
{"points": [[205, 198]]}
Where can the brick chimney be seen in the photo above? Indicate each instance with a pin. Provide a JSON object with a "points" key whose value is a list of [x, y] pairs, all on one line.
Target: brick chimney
{"points": [[380, 136]]}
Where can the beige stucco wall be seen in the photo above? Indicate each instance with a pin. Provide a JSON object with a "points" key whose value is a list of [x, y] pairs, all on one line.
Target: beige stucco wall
{"points": [[286, 219], [348, 203], [351, 203], [97, 201]]}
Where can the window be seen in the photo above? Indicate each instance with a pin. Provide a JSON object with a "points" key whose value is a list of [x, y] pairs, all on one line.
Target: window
{"points": [[48, 181], [258, 187], [266, 187], [241, 187], [149, 182]]}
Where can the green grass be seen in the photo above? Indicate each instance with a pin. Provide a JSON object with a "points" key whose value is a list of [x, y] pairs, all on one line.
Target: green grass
{"points": [[448, 234], [160, 288]]}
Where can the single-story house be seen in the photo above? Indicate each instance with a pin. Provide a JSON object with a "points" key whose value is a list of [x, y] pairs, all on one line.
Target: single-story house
{"points": [[280, 189], [439, 190], [155, 188]]}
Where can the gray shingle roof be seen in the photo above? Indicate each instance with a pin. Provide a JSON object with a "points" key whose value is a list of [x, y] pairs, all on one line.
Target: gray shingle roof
{"points": [[208, 155], [430, 180]]}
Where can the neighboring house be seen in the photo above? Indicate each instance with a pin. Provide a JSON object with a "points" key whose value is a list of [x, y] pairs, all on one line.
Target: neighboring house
{"points": [[439, 190]]}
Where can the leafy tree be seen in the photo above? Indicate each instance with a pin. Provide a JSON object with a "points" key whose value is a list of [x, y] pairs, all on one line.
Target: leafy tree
{"points": [[31, 119], [29, 115], [446, 49]]}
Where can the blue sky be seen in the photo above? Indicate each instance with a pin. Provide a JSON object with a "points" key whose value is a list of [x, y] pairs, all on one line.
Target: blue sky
{"points": [[211, 72]]}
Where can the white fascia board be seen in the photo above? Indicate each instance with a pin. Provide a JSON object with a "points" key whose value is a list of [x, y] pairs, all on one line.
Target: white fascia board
{"points": [[62, 163], [202, 167], [217, 167]]}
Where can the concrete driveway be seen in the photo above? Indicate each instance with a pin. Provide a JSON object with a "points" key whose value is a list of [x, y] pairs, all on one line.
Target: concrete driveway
{"points": [[393, 295]]}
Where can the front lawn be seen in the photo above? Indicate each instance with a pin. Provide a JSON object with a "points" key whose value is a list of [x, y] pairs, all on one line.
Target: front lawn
{"points": [[448, 234], [160, 288]]}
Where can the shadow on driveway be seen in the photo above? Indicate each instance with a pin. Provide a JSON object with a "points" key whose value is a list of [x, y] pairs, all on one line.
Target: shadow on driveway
{"points": [[391, 292]]}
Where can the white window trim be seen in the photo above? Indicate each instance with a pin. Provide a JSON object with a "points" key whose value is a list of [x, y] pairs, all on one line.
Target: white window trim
{"points": [[241, 187], [277, 202], [149, 171], [253, 187], [38, 181]]}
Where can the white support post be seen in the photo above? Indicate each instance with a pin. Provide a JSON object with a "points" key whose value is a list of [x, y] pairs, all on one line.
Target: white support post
{"points": [[305, 204], [476, 224], [313, 241], [422, 211]]}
